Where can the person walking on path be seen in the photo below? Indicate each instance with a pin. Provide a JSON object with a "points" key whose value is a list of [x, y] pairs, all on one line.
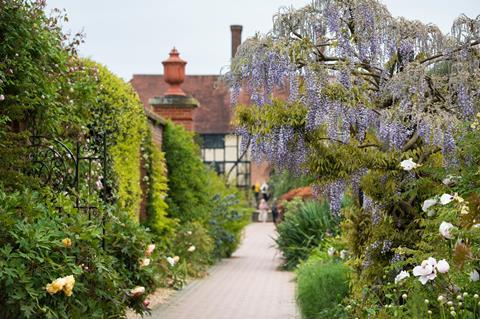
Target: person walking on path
{"points": [[263, 208], [264, 190], [256, 193], [275, 212]]}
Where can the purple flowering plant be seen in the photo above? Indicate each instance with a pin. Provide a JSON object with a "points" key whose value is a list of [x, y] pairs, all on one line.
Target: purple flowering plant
{"points": [[370, 92]]}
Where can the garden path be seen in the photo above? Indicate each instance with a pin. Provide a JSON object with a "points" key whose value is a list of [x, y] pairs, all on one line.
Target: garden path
{"points": [[246, 286]]}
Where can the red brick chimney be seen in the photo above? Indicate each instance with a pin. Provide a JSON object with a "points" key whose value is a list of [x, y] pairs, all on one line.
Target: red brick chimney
{"points": [[236, 38], [175, 104]]}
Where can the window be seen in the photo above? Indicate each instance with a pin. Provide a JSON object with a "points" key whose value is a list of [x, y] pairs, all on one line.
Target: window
{"points": [[222, 153], [213, 140]]}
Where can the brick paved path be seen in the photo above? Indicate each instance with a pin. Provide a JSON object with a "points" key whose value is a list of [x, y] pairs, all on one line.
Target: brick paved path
{"points": [[246, 286]]}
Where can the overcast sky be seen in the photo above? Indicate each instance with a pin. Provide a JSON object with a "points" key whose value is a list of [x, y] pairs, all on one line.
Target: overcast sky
{"points": [[135, 36]]}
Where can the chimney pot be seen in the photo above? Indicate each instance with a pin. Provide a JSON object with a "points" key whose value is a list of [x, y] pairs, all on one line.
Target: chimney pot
{"points": [[174, 73], [236, 38]]}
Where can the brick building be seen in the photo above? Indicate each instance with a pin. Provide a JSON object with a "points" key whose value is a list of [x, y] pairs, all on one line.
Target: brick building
{"points": [[202, 104]]}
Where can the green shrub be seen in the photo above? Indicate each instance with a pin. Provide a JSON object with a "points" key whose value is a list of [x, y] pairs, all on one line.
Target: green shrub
{"points": [[305, 226], [226, 225], [115, 108], [198, 196], [33, 83], [189, 197], [33, 254], [194, 245], [321, 287], [157, 183], [230, 214]]}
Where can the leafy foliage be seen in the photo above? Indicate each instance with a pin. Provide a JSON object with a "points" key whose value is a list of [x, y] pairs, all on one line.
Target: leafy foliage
{"points": [[367, 92], [46, 90], [117, 110], [194, 245], [305, 227], [157, 184], [322, 286], [33, 83], [187, 181], [198, 195], [33, 254]]}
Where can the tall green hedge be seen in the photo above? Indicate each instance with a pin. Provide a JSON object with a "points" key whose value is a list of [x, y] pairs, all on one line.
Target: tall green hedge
{"points": [[197, 194], [45, 89], [118, 110], [34, 68], [189, 198], [156, 178]]}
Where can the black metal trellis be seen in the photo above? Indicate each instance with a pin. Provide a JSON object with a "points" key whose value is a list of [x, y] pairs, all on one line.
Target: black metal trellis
{"points": [[62, 169]]}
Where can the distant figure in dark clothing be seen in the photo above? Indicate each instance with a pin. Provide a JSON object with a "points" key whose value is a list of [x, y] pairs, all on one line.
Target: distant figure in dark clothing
{"points": [[264, 191], [256, 193], [274, 212]]}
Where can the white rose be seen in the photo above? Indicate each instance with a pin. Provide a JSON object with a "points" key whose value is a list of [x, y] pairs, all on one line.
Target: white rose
{"points": [[408, 164], [331, 251], [191, 249], [426, 271], [137, 291], [145, 262], [429, 203], [401, 276], [474, 276], [445, 229], [443, 266], [446, 199], [171, 261]]}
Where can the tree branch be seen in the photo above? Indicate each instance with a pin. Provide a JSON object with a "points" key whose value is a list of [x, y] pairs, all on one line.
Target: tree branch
{"points": [[433, 57], [411, 141]]}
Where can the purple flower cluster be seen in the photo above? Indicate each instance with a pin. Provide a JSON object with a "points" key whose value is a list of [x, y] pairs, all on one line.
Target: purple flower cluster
{"points": [[394, 134], [333, 14], [396, 258], [282, 148], [449, 148], [355, 179], [244, 138], [368, 37], [406, 51], [294, 87], [465, 101], [387, 246], [234, 93], [257, 148], [369, 205], [334, 193], [265, 71], [424, 130]]}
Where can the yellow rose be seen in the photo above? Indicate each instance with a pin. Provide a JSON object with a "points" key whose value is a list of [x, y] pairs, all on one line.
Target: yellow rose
{"points": [[55, 286], [68, 287], [65, 283], [137, 291], [67, 242], [68, 293]]}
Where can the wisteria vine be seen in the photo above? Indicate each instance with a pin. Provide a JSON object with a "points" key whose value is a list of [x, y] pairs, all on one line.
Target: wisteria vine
{"points": [[360, 72]]}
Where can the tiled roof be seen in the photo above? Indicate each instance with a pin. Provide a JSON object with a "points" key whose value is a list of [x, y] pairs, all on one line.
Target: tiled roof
{"points": [[214, 113]]}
